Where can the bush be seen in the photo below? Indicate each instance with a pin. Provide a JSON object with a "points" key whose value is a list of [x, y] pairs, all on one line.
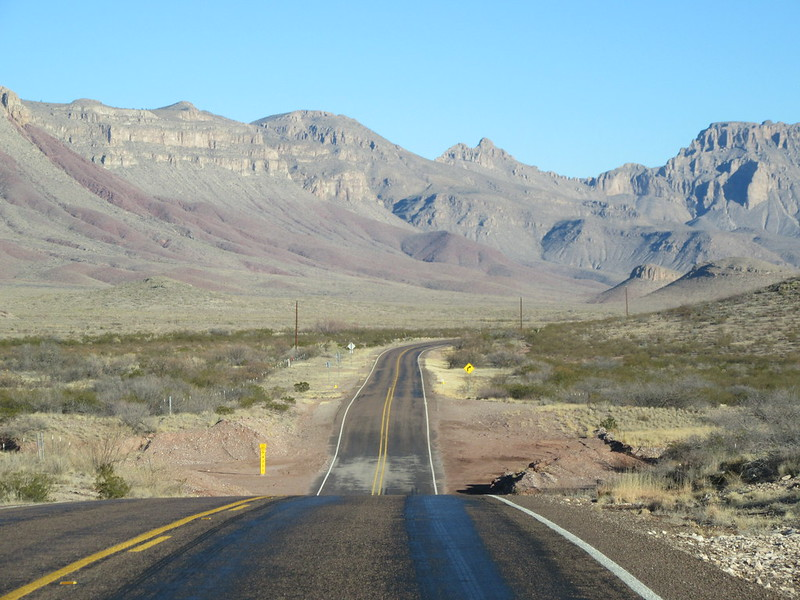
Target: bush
{"points": [[302, 386], [12, 406], [609, 423], [27, 487], [521, 391], [108, 484], [80, 401], [505, 359]]}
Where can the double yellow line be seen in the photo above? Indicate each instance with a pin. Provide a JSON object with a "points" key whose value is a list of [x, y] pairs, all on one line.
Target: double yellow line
{"points": [[383, 448], [141, 542]]}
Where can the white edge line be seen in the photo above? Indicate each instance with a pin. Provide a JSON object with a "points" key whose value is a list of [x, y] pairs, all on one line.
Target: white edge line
{"points": [[628, 579], [344, 417], [427, 421]]}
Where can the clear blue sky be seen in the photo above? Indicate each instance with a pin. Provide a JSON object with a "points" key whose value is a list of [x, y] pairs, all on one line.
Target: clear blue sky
{"points": [[576, 86]]}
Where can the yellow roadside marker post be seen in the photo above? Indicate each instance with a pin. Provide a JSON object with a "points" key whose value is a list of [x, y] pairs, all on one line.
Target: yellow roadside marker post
{"points": [[263, 458]]}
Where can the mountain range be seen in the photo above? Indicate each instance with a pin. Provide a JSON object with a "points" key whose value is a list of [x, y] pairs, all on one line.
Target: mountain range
{"points": [[96, 195]]}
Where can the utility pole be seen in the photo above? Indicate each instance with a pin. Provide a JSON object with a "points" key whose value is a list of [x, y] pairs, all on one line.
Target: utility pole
{"points": [[296, 323], [626, 302]]}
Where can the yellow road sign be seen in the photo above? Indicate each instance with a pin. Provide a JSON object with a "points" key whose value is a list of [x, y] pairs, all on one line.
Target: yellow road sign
{"points": [[469, 368]]}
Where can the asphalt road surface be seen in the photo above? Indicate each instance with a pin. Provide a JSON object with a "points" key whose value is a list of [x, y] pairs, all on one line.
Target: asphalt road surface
{"points": [[382, 445], [336, 547], [375, 530]]}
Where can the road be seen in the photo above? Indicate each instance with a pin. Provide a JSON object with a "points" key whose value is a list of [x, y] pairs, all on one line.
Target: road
{"points": [[335, 547], [382, 444], [375, 530]]}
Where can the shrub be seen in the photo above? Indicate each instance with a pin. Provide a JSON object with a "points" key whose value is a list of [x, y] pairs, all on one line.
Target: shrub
{"points": [[505, 359], [521, 391], [11, 406], [108, 484], [131, 414], [248, 395], [302, 386], [609, 423], [27, 487], [80, 401]]}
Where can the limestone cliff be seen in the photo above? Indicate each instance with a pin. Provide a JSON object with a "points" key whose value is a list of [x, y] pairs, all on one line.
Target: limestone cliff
{"points": [[732, 176], [178, 134]]}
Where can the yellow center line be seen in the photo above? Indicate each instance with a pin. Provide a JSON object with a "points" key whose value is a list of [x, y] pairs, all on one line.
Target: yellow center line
{"points": [[380, 469], [93, 558], [150, 544], [383, 448]]}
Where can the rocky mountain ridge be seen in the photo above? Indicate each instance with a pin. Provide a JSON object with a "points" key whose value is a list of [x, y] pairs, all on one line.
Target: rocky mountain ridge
{"points": [[121, 202], [732, 192], [732, 176]]}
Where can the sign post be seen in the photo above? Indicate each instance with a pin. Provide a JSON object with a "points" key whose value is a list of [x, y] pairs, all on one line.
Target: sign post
{"points": [[469, 369]]}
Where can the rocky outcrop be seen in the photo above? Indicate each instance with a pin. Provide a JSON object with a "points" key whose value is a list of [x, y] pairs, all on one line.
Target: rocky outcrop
{"points": [[643, 280], [532, 480], [644, 454], [654, 273], [13, 107], [735, 267], [176, 135], [485, 154], [733, 175], [718, 279], [488, 157]]}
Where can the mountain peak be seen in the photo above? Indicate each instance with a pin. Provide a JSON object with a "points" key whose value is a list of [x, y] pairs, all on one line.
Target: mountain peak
{"points": [[485, 154], [184, 111], [182, 105], [741, 135]]}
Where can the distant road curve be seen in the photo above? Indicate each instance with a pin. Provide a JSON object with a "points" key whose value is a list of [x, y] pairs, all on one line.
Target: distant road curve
{"points": [[383, 441]]}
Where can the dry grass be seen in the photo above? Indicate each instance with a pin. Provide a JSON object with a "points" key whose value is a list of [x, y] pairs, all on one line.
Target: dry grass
{"points": [[457, 383], [76, 445], [163, 305], [644, 488], [713, 386], [70, 448]]}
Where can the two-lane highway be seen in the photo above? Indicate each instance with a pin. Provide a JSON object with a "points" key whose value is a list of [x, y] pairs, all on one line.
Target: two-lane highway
{"points": [[338, 548], [350, 541], [383, 443]]}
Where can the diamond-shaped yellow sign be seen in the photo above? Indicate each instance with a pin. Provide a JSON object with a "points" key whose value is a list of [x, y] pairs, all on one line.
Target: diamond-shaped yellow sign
{"points": [[469, 368]]}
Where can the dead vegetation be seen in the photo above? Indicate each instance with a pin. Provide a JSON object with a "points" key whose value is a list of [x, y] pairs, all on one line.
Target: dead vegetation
{"points": [[713, 389], [76, 416]]}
